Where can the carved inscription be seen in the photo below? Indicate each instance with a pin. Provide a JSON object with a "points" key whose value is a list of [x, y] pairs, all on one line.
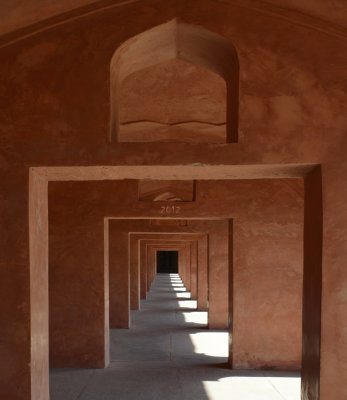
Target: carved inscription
{"points": [[170, 210]]}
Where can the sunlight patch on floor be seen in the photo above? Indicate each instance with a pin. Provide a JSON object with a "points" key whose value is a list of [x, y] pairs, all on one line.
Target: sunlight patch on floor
{"points": [[183, 295], [253, 388], [191, 304], [198, 317], [289, 385], [214, 344]]}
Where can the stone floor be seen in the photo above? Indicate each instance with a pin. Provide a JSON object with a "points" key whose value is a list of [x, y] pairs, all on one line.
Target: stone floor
{"points": [[169, 354]]}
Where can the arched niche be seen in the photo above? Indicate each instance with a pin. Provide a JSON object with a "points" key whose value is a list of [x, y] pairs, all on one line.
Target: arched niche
{"points": [[185, 43], [153, 190], [167, 196]]}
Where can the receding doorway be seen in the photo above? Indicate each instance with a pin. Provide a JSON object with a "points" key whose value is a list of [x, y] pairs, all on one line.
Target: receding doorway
{"points": [[167, 262]]}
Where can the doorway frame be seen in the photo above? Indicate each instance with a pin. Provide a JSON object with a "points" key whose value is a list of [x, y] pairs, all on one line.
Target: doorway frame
{"points": [[313, 242]]}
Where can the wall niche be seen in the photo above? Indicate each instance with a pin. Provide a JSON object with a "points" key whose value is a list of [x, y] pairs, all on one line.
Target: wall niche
{"points": [[175, 83], [166, 191]]}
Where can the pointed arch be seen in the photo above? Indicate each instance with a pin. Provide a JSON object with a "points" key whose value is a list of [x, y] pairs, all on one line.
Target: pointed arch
{"points": [[177, 40]]}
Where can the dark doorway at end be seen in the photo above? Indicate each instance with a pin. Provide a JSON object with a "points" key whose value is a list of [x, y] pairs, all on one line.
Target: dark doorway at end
{"points": [[167, 262]]}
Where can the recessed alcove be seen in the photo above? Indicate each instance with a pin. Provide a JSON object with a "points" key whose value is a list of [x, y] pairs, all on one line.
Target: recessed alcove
{"points": [[173, 101], [175, 83]]}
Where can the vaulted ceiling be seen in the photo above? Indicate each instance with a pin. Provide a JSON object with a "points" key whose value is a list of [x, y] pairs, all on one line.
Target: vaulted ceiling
{"points": [[20, 14]]}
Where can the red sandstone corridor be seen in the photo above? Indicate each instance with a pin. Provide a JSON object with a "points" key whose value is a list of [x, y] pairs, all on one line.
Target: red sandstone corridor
{"points": [[168, 353], [214, 128]]}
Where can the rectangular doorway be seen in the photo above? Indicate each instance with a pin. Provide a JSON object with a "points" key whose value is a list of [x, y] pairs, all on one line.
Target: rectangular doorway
{"points": [[167, 262]]}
